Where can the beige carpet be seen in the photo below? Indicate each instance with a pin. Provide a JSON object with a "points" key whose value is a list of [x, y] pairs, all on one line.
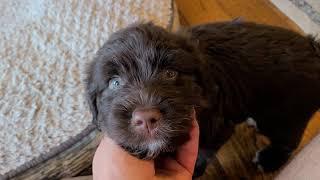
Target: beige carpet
{"points": [[44, 48]]}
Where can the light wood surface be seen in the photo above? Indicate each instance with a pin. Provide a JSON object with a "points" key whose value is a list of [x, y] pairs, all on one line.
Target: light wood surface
{"points": [[67, 163], [194, 12]]}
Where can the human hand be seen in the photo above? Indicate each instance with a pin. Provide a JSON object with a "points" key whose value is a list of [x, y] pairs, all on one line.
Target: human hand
{"points": [[112, 162]]}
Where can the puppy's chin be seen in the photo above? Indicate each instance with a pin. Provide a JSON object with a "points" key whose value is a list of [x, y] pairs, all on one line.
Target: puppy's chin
{"points": [[156, 148], [150, 150]]}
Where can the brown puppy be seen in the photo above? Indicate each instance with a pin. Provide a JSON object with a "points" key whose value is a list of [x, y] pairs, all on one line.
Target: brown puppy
{"points": [[145, 82]]}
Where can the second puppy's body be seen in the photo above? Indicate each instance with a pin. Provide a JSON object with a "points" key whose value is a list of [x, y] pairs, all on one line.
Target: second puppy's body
{"points": [[263, 72]]}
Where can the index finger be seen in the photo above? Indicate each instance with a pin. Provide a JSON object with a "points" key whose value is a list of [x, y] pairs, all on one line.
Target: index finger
{"points": [[187, 153]]}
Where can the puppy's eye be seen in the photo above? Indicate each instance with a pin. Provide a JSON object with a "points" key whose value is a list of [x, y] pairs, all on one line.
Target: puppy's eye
{"points": [[115, 83], [170, 74]]}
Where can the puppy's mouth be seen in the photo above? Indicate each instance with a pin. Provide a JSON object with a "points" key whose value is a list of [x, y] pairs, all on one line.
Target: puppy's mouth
{"points": [[150, 150]]}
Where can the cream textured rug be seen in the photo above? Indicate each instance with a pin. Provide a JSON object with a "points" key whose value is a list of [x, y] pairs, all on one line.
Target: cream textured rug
{"points": [[44, 47], [305, 13]]}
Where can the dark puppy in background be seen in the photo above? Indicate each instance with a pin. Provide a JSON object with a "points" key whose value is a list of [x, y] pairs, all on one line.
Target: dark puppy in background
{"points": [[145, 82]]}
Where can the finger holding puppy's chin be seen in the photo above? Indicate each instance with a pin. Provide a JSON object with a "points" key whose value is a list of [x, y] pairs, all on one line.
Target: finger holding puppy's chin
{"points": [[112, 162]]}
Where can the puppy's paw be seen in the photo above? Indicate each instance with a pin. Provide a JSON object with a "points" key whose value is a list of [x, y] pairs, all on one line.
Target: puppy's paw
{"points": [[270, 159], [255, 160], [252, 123], [200, 167]]}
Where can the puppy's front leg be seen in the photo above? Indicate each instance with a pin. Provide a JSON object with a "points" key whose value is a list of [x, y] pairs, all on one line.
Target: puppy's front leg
{"points": [[272, 157], [284, 126], [204, 156], [212, 137]]}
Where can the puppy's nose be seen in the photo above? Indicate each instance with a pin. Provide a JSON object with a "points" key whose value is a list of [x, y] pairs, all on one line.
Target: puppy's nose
{"points": [[146, 119]]}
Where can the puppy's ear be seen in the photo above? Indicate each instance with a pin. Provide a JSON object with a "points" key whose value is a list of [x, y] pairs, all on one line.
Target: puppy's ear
{"points": [[92, 92]]}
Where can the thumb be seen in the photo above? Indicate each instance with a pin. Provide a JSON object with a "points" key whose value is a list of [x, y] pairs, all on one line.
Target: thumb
{"points": [[111, 161]]}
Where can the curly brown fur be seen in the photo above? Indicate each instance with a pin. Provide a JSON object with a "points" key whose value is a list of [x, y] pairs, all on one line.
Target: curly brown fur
{"points": [[226, 71]]}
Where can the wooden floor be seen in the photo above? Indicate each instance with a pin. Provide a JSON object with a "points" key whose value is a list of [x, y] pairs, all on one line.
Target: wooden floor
{"points": [[194, 12], [233, 160]]}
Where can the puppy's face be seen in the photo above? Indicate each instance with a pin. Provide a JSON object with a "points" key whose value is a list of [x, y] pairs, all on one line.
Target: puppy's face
{"points": [[142, 89]]}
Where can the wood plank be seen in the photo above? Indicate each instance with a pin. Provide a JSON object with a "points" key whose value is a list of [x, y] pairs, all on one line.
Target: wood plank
{"points": [[67, 163], [194, 12]]}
